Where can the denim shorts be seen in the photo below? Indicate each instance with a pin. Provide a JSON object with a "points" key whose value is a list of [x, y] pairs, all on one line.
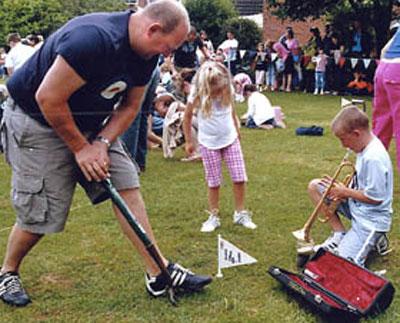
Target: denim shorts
{"points": [[45, 174], [359, 240], [252, 125]]}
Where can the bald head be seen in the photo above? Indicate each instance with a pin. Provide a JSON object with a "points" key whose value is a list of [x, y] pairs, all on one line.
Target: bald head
{"points": [[159, 28], [168, 13]]}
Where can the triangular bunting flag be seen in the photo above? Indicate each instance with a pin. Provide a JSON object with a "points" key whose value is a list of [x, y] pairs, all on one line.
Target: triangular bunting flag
{"points": [[242, 52], [231, 256], [336, 56], [354, 62], [366, 61], [344, 102]]}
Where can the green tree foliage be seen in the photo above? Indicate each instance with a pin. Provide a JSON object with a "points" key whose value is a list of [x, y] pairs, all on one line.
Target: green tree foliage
{"points": [[79, 7], [211, 16], [29, 16], [45, 16], [246, 32], [376, 14]]}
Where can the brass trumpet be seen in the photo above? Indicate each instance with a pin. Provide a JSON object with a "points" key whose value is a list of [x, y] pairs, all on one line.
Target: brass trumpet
{"points": [[304, 240]]}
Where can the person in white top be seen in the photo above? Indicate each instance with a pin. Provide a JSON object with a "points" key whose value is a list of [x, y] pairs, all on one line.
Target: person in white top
{"points": [[230, 47], [218, 137], [260, 113], [18, 54]]}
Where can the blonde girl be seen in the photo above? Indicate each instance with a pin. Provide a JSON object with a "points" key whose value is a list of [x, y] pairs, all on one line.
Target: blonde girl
{"points": [[218, 136]]}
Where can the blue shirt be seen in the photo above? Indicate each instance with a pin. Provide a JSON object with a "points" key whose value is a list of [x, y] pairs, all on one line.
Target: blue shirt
{"points": [[393, 50], [356, 48], [375, 178], [97, 47]]}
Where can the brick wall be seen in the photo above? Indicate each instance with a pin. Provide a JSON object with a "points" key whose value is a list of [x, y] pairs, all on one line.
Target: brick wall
{"points": [[274, 27]]}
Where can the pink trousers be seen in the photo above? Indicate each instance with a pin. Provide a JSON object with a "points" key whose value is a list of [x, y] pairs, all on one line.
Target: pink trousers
{"points": [[386, 105]]}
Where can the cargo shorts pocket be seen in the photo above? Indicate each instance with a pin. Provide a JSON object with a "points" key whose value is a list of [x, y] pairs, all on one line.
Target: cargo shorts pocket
{"points": [[29, 198]]}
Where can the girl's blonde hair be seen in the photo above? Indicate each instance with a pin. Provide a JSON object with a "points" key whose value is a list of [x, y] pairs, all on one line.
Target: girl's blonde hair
{"points": [[210, 76]]}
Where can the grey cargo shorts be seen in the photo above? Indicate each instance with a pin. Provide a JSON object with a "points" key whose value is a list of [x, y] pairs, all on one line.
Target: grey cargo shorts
{"points": [[45, 174]]}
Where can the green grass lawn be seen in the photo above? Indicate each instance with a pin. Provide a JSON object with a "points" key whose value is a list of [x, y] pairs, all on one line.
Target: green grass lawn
{"points": [[90, 273]]}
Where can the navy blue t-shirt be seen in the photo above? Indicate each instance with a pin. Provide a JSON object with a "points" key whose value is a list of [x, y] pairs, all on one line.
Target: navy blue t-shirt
{"points": [[97, 47]]}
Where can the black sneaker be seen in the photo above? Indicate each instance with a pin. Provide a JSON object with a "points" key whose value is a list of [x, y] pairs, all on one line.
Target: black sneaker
{"points": [[11, 290], [382, 245], [183, 281]]}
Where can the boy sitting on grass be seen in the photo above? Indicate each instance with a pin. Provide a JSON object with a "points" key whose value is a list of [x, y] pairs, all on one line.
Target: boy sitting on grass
{"points": [[367, 202]]}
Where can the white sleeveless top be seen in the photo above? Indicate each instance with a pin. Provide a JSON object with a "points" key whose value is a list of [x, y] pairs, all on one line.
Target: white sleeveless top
{"points": [[217, 130]]}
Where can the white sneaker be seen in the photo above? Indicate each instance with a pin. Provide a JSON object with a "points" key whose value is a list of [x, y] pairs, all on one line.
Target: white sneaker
{"points": [[244, 218], [322, 92], [211, 223], [332, 243], [316, 92]]}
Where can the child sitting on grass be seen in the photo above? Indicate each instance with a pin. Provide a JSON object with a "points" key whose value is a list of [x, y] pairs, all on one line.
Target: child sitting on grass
{"points": [[367, 202], [359, 85], [260, 113], [218, 136]]}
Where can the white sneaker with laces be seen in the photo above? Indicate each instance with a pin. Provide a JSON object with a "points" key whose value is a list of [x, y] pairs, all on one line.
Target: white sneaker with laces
{"points": [[244, 218], [211, 223]]}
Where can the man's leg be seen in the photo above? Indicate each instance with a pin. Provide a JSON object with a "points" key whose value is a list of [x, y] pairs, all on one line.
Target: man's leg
{"points": [[382, 115], [134, 200], [20, 242], [125, 179], [182, 279], [141, 150], [131, 135], [392, 87]]}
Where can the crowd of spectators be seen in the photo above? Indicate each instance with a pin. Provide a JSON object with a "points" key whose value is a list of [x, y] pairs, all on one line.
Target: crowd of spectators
{"points": [[324, 64], [162, 115], [329, 63]]}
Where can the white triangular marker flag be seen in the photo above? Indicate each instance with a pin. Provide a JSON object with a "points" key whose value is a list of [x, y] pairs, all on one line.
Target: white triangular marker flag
{"points": [[231, 256], [366, 61], [242, 52], [354, 62], [344, 102]]}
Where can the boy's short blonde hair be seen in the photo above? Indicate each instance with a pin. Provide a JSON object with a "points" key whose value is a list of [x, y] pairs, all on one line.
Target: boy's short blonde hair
{"points": [[348, 119]]}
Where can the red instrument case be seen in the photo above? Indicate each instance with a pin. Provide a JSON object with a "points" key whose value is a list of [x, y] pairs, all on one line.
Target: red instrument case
{"points": [[338, 287]]}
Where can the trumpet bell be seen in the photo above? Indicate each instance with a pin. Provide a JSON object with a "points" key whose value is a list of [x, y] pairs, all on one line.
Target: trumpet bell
{"points": [[304, 246], [300, 235]]}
